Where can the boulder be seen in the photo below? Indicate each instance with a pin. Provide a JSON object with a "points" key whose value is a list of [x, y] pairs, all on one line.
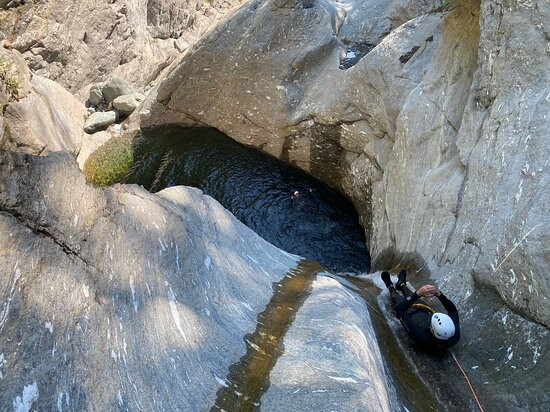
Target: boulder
{"points": [[14, 71], [99, 121], [118, 298], [115, 87], [96, 94], [48, 119], [127, 103]]}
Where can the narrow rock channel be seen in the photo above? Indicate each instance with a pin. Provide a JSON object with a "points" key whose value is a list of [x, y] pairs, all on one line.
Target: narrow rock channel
{"points": [[298, 214]]}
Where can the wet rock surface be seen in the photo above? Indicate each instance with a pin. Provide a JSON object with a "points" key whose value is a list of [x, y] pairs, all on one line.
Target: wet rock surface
{"points": [[122, 299]]}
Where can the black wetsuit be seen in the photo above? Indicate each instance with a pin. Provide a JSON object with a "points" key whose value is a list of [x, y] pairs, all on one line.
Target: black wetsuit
{"points": [[417, 320]]}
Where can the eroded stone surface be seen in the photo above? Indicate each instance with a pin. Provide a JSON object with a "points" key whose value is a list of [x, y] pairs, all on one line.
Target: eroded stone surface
{"points": [[408, 133], [439, 135], [135, 300], [76, 45]]}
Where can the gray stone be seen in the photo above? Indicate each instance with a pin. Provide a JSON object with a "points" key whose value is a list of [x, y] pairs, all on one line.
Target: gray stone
{"points": [[324, 353], [14, 66], [115, 87], [96, 95], [119, 298], [99, 121], [127, 103], [398, 126]]}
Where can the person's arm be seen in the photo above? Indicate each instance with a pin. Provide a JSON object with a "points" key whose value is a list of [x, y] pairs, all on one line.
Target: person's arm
{"points": [[426, 290], [447, 304], [406, 304], [453, 314]]}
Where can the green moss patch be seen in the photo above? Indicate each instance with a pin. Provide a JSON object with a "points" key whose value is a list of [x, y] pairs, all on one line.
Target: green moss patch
{"points": [[111, 162]]}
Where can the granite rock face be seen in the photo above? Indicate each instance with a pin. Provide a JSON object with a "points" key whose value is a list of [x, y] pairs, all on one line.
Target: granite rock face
{"points": [[439, 135], [135, 300], [76, 45], [47, 119]]}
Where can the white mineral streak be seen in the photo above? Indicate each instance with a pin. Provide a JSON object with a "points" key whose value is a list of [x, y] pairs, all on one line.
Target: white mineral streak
{"points": [[49, 326], [134, 300], [59, 402], [6, 305], [342, 379], [221, 381], [24, 403], [2, 363], [175, 313], [86, 291]]}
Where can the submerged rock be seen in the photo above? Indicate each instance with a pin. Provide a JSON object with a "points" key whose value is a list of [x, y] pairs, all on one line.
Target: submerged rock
{"points": [[99, 121], [150, 298]]}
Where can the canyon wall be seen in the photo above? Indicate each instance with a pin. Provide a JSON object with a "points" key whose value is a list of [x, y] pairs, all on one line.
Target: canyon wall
{"points": [[439, 135], [76, 43]]}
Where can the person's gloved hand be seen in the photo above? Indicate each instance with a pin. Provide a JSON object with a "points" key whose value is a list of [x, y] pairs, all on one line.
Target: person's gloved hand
{"points": [[427, 291]]}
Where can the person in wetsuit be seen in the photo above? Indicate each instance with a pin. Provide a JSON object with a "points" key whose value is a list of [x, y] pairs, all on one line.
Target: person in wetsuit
{"points": [[430, 330]]}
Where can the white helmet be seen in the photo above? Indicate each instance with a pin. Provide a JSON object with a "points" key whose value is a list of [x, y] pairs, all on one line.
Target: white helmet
{"points": [[442, 326]]}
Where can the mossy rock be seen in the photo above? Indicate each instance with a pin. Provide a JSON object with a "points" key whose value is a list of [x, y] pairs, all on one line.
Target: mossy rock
{"points": [[111, 162]]}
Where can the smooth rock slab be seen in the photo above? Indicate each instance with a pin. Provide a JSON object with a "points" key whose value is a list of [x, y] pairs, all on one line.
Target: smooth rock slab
{"points": [[99, 121], [118, 298], [48, 119], [331, 359]]}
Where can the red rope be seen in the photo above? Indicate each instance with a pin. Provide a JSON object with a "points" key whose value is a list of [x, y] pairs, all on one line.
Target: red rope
{"points": [[468, 382]]}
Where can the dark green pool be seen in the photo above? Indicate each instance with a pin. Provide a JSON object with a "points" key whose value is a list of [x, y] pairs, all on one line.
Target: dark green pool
{"points": [[281, 203]]}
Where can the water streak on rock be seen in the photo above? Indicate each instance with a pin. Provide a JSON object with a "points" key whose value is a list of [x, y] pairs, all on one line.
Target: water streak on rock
{"points": [[248, 379]]}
